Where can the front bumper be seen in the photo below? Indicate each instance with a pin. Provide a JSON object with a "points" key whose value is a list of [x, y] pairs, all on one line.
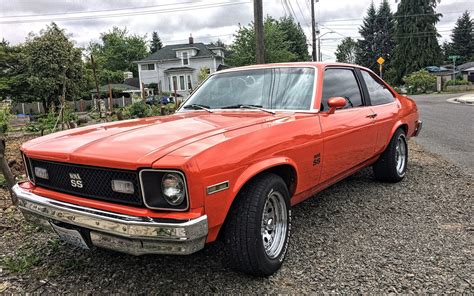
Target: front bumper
{"points": [[123, 233]]}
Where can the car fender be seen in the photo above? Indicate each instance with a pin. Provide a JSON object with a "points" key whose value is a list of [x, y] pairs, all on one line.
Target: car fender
{"points": [[259, 167]]}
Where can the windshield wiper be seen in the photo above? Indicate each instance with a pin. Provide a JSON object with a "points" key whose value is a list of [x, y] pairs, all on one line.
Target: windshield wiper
{"points": [[198, 106], [244, 106]]}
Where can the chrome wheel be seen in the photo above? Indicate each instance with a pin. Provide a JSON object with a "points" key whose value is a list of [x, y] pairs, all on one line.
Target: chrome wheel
{"points": [[274, 224], [401, 155]]}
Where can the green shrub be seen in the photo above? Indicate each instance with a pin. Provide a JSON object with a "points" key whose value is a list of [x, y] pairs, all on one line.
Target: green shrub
{"points": [[420, 82], [458, 82], [137, 109], [5, 117]]}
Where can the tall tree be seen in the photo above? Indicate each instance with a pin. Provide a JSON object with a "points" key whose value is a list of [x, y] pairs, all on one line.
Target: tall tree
{"points": [[155, 43], [416, 37], [346, 51], [116, 53], [13, 81], [277, 47], [52, 62], [384, 31], [463, 38], [296, 37], [366, 55]]}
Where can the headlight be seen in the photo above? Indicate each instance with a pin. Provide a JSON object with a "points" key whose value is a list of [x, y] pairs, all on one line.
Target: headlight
{"points": [[173, 188]]}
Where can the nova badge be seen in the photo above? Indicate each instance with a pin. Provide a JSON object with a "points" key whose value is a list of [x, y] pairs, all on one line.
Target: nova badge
{"points": [[75, 180]]}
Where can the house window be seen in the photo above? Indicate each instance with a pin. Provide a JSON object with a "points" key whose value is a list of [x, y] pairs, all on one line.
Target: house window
{"points": [[147, 67], [190, 83], [175, 83], [185, 58], [181, 83]]}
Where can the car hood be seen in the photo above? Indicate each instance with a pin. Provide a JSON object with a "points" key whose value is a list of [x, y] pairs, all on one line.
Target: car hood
{"points": [[138, 143]]}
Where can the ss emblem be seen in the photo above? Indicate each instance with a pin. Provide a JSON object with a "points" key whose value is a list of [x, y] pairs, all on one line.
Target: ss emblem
{"points": [[75, 180]]}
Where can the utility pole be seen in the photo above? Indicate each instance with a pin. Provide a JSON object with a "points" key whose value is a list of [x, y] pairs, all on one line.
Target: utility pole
{"points": [[96, 82], [313, 32], [258, 20]]}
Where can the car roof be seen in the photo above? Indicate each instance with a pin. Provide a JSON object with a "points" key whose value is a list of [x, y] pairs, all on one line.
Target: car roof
{"points": [[320, 65]]}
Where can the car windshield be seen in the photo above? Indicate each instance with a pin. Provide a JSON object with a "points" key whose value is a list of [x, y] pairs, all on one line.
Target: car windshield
{"points": [[289, 88]]}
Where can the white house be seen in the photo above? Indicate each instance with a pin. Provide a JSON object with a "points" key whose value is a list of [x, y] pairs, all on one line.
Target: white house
{"points": [[177, 66]]}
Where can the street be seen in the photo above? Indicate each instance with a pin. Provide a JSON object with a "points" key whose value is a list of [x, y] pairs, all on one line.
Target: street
{"points": [[448, 129]]}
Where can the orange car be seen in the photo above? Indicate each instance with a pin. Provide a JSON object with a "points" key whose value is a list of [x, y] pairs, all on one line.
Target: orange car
{"points": [[248, 144]]}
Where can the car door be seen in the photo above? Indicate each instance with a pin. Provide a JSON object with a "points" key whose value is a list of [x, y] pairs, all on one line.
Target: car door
{"points": [[384, 106], [349, 134]]}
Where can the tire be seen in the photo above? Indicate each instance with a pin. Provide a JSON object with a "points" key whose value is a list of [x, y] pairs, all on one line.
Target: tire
{"points": [[392, 164], [249, 245]]}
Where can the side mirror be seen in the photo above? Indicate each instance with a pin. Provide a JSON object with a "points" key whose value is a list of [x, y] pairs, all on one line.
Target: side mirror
{"points": [[336, 103]]}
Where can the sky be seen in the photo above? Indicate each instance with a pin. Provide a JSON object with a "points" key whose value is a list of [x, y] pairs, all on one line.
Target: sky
{"points": [[206, 20]]}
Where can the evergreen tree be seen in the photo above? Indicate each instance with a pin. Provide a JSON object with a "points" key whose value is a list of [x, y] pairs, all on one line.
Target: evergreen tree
{"points": [[155, 43], [346, 51], [415, 37], [384, 30], [463, 38], [296, 37], [447, 49], [366, 55]]}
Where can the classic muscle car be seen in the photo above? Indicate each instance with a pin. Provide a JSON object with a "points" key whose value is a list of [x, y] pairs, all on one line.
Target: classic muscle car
{"points": [[248, 144]]}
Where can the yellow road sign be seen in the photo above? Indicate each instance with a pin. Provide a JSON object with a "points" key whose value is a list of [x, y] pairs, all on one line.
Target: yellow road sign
{"points": [[380, 60]]}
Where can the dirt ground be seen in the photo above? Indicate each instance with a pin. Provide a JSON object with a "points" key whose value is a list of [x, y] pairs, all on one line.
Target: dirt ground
{"points": [[357, 236]]}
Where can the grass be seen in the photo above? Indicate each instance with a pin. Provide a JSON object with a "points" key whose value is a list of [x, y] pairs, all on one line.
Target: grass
{"points": [[3, 182], [20, 264]]}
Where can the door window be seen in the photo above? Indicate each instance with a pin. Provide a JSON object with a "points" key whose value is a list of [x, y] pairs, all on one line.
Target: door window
{"points": [[341, 83], [378, 92]]}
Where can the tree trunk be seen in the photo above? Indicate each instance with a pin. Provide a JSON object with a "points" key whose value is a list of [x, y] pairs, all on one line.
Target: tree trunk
{"points": [[5, 169]]}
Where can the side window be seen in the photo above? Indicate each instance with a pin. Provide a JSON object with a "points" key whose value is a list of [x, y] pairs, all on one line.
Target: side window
{"points": [[341, 83], [378, 92]]}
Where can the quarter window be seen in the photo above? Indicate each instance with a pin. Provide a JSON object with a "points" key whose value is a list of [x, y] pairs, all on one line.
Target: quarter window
{"points": [[341, 83], [378, 92]]}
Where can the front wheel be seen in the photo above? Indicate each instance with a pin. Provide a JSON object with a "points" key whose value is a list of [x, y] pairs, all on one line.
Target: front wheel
{"points": [[392, 164], [258, 227]]}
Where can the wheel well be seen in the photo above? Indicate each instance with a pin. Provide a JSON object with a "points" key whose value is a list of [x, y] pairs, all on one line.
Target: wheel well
{"points": [[404, 127], [287, 173]]}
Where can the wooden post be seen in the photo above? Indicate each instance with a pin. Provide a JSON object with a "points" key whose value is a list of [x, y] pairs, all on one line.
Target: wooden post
{"points": [[259, 34], [7, 173], [313, 32], [96, 82], [110, 99]]}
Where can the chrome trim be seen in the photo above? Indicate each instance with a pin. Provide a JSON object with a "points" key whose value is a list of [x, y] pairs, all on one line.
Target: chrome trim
{"points": [[167, 171], [219, 190], [136, 235], [26, 168]]}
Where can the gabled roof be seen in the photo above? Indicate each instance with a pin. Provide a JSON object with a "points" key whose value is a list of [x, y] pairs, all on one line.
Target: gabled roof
{"points": [[168, 52], [465, 66]]}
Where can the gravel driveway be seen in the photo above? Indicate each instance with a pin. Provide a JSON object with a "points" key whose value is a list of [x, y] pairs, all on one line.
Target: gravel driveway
{"points": [[357, 236]]}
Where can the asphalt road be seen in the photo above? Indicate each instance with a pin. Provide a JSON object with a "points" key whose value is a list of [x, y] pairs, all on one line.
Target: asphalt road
{"points": [[448, 129]]}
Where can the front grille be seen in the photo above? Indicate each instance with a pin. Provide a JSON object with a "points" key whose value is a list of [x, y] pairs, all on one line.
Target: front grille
{"points": [[96, 181]]}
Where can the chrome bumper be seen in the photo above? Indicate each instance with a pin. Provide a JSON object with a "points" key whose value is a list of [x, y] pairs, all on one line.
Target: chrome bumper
{"points": [[418, 127], [123, 233]]}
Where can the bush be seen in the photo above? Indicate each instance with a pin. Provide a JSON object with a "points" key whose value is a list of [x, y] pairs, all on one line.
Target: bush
{"points": [[420, 82], [458, 82], [137, 109], [5, 117]]}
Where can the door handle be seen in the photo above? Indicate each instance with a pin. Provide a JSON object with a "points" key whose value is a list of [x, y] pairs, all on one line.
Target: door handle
{"points": [[373, 115]]}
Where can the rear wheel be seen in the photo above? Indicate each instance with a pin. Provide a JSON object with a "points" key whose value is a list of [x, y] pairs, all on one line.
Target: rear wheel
{"points": [[392, 164], [258, 227]]}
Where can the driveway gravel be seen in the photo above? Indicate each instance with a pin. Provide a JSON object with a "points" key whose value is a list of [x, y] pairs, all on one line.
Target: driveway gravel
{"points": [[357, 236]]}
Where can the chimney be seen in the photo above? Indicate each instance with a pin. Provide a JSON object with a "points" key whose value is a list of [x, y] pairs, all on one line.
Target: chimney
{"points": [[191, 39]]}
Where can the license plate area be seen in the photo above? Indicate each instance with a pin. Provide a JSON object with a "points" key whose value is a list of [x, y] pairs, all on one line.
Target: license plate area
{"points": [[70, 236]]}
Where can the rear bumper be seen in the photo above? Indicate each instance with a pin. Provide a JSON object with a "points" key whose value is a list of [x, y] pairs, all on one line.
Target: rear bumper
{"points": [[418, 127], [123, 233]]}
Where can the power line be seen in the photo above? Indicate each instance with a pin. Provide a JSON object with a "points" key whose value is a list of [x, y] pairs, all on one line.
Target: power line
{"points": [[101, 10], [154, 11], [302, 14]]}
